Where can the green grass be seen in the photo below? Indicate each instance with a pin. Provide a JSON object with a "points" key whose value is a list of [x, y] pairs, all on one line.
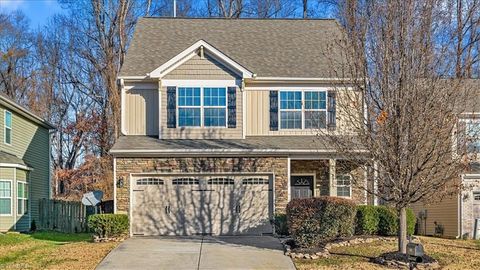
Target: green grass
{"points": [[62, 237], [51, 250], [451, 254]]}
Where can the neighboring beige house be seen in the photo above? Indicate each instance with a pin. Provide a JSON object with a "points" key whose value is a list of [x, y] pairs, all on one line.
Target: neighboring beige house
{"points": [[454, 216], [219, 124], [24, 165]]}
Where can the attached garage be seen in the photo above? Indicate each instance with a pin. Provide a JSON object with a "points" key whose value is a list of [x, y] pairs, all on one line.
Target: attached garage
{"points": [[201, 204]]}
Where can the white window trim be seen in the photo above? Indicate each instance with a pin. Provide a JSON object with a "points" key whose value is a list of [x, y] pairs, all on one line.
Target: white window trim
{"points": [[302, 109], [5, 127], [202, 107], [11, 198], [337, 185], [468, 121], [25, 183]]}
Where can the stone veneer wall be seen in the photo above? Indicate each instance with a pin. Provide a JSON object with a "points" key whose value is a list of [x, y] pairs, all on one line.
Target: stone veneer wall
{"points": [[276, 165]]}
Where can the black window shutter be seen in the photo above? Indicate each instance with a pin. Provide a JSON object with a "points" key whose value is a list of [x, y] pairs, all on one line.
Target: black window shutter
{"points": [[273, 110], [332, 110], [171, 107], [461, 137], [232, 107]]}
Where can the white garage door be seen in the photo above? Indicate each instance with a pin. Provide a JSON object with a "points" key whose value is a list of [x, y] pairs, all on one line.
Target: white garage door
{"points": [[218, 205]]}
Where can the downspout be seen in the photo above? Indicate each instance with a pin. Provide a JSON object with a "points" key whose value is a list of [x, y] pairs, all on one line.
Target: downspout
{"points": [[244, 109], [460, 213]]}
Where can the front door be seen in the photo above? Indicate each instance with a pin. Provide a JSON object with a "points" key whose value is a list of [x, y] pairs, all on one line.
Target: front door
{"points": [[302, 186]]}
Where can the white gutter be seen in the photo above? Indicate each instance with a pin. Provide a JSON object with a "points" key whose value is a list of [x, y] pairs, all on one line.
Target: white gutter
{"points": [[260, 151], [298, 79], [14, 165]]}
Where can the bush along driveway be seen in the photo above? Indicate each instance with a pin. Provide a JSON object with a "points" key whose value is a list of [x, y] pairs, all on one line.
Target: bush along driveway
{"points": [[51, 250]]}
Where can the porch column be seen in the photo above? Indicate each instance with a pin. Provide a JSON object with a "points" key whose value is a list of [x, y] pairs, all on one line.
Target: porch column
{"points": [[332, 175], [289, 187]]}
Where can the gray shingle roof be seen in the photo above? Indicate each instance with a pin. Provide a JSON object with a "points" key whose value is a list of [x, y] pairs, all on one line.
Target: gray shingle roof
{"points": [[249, 145], [267, 47], [11, 159]]}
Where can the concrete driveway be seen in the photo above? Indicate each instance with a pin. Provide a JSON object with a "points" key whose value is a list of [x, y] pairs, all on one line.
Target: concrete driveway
{"points": [[223, 252]]}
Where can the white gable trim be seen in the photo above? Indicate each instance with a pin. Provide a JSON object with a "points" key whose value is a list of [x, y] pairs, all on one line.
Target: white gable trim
{"points": [[190, 52]]}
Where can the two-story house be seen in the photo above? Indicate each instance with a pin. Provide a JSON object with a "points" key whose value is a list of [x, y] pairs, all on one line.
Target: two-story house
{"points": [[24, 165], [454, 215], [220, 122]]}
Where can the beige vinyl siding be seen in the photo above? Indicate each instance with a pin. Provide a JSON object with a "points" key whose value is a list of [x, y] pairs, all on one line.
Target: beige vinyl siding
{"points": [[198, 68], [258, 115], [141, 109], [7, 222], [201, 132], [30, 142], [444, 213]]}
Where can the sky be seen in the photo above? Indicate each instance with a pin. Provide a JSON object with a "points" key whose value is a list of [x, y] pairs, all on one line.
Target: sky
{"points": [[38, 11]]}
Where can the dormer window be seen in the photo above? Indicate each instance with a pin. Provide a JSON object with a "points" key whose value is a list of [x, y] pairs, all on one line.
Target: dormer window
{"points": [[202, 107], [472, 129]]}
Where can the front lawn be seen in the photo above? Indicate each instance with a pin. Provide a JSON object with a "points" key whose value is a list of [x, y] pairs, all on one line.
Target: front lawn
{"points": [[51, 250], [451, 254]]}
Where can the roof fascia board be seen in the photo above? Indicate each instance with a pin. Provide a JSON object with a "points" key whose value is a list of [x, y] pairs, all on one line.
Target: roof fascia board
{"points": [[25, 113], [190, 52], [298, 79]]}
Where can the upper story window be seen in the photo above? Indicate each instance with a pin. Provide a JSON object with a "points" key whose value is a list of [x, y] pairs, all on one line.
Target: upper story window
{"points": [[199, 107], [303, 109], [7, 127], [472, 129]]}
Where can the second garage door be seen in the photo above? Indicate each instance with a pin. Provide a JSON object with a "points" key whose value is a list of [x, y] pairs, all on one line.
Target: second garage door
{"points": [[186, 205]]}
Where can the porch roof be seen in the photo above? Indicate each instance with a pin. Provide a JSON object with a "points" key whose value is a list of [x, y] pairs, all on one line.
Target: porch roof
{"points": [[257, 145]]}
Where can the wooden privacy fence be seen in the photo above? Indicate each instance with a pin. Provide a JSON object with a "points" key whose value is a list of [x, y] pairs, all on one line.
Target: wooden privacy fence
{"points": [[63, 216]]}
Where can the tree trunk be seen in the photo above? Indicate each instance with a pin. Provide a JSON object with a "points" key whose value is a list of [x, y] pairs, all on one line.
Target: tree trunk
{"points": [[402, 230]]}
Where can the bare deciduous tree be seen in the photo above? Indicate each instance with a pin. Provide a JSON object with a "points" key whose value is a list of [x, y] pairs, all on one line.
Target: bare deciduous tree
{"points": [[397, 103]]}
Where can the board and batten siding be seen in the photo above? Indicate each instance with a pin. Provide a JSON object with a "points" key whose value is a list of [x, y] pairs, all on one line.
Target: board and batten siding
{"points": [[258, 115], [30, 142], [444, 213], [141, 109]]}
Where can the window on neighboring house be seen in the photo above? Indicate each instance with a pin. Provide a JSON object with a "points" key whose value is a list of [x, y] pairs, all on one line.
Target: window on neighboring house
{"points": [[303, 109], [473, 136], [202, 107], [344, 185], [8, 128], [5, 197], [22, 198], [476, 195]]}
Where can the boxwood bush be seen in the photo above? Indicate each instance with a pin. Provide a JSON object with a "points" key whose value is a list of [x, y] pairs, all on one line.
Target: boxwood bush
{"points": [[381, 220], [108, 225], [366, 222], [312, 221]]}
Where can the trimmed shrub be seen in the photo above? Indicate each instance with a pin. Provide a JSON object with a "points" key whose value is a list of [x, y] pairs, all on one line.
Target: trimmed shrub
{"points": [[280, 222], [108, 225], [366, 222], [312, 221], [387, 221]]}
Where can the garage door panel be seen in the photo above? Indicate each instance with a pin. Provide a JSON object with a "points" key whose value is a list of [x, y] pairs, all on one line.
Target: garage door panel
{"points": [[218, 205]]}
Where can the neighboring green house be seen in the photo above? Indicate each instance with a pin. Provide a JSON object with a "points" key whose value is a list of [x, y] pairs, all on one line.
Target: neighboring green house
{"points": [[24, 165]]}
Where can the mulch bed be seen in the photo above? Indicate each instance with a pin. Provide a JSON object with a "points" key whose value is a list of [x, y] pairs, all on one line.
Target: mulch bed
{"points": [[399, 260]]}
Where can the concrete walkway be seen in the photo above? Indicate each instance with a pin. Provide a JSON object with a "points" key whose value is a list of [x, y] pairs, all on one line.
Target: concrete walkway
{"points": [[224, 252]]}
